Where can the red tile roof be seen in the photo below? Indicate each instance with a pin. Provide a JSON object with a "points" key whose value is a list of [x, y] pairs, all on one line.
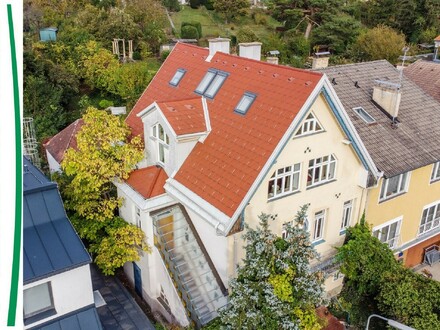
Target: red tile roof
{"points": [[426, 74], [222, 169], [186, 116], [58, 145], [437, 38], [148, 181]]}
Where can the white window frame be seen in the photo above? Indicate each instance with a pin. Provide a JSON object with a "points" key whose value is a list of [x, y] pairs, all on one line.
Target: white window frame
{"points": [[319, 225], [402, 186], [285, 175], [326, 170], [309, 126], [380, 230], [430, 218], [177, 77], [211, 83], [47, 298], [435, 174], [347, 213], [162, 143]]}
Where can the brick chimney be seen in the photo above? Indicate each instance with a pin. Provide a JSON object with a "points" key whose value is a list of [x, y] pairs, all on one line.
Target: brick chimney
{"points": [[250, 50], [387, 95]]}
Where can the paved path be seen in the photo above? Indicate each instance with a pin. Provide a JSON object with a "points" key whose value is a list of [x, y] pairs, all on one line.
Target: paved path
{"points": [[121, 312]]}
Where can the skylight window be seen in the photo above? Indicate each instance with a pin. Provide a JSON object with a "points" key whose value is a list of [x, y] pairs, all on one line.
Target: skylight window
{"points": [[211, 83], [177, 77], [366, 117], [245, 103]]}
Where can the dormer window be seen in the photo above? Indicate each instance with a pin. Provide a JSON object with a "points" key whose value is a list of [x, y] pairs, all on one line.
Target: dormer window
{"points": [[309, 126], [162, 142], [177, 77], [245, 103], [366, 117], [211, 83]]}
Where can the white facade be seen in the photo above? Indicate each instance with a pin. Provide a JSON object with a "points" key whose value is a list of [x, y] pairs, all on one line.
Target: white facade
{"points": [[70, 291], [54, 166]]}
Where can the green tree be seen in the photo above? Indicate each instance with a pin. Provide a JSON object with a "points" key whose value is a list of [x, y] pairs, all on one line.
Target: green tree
{"points": [[104, 153], [381, 42], [246, 34], [230, 8], [275, 288], [376, 283]]}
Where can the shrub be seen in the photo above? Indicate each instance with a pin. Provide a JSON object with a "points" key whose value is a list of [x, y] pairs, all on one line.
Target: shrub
{"points": [[189, 32], [194, 4], [197, 25], [246, 34]]}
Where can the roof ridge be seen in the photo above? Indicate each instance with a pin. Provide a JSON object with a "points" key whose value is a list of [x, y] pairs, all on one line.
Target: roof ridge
{"points": [[156, 177], [72, 135], [72, 123]]}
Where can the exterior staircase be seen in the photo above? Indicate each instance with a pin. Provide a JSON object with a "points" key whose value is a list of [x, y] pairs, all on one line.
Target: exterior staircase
{"points": [[193, 273]]}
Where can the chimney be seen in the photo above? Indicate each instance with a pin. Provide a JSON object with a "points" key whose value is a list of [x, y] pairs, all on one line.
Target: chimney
{"points": [[437, 49], [250, 50], [218, 45], [387, 95], [320, 60], [272, 60]]}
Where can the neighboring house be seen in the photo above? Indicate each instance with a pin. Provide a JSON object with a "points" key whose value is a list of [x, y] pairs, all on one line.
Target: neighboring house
{"points": [[426, 74], [57, 287], [399, 125], [227, 138], [57, 146]]}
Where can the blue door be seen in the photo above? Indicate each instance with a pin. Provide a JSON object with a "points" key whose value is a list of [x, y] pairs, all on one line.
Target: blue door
{"points": [[137, 279]]}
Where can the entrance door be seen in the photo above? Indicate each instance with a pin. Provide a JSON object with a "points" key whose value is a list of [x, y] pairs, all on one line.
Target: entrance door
{"points": [[137, 279]]}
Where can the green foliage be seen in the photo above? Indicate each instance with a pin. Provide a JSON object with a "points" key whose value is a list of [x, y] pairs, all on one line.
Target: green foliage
{"points": [[230, 9], [164, 55], [381, 42], [376, 283], [189, 32], [308, 319], [122, 243], [197, 25], [338, 33], [172, 5], [194, 3], [246, 34], [103, 154], [274, 288]]}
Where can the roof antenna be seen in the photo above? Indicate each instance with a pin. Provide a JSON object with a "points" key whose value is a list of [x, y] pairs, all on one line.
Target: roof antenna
{"points": [[356, 84], [334, 81], [404, 50]]}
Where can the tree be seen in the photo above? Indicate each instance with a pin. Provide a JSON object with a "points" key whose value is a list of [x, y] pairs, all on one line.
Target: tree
{"points": [[230, 8], [375, 282], [275, 288], [381, 42], [246, 34], [104, 154]]}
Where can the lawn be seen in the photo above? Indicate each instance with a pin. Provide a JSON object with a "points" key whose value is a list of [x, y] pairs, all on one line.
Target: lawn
{"points": [[213, 25]]}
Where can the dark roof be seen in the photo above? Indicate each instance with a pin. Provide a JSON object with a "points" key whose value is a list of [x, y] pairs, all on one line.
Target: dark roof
{"points": [[50, 244], [65, 139], [223, 168], [426, 74], [86, 319], [415, 143]]}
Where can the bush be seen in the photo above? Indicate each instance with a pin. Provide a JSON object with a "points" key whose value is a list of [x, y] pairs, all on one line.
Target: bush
{"points": [[194, 4], [164, 55], [197, 25], [209, 4], [246, 34], [136, 56], [260, 19], [189, 32], [104, 104]]}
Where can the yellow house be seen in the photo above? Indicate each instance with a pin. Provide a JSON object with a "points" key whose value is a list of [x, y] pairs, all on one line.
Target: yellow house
{"points": [[399, 125]]}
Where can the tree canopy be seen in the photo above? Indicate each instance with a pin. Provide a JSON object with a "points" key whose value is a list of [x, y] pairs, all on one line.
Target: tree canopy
{"points": [[275, 288], [375, 282], [104, 153]]}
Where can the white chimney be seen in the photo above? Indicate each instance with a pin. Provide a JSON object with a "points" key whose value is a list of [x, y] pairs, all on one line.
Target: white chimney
{"points": [[320, 60], [387, 95], [218, 45], [250, 50], [272, 60]]}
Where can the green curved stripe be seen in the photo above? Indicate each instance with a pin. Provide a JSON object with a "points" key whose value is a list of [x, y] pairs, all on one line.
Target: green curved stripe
{"points": [[18, 179]]}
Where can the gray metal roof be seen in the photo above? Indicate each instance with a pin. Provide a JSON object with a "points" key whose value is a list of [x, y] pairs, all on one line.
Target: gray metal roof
{"points": [[87, 319], [416, 141], [50, 244]]}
